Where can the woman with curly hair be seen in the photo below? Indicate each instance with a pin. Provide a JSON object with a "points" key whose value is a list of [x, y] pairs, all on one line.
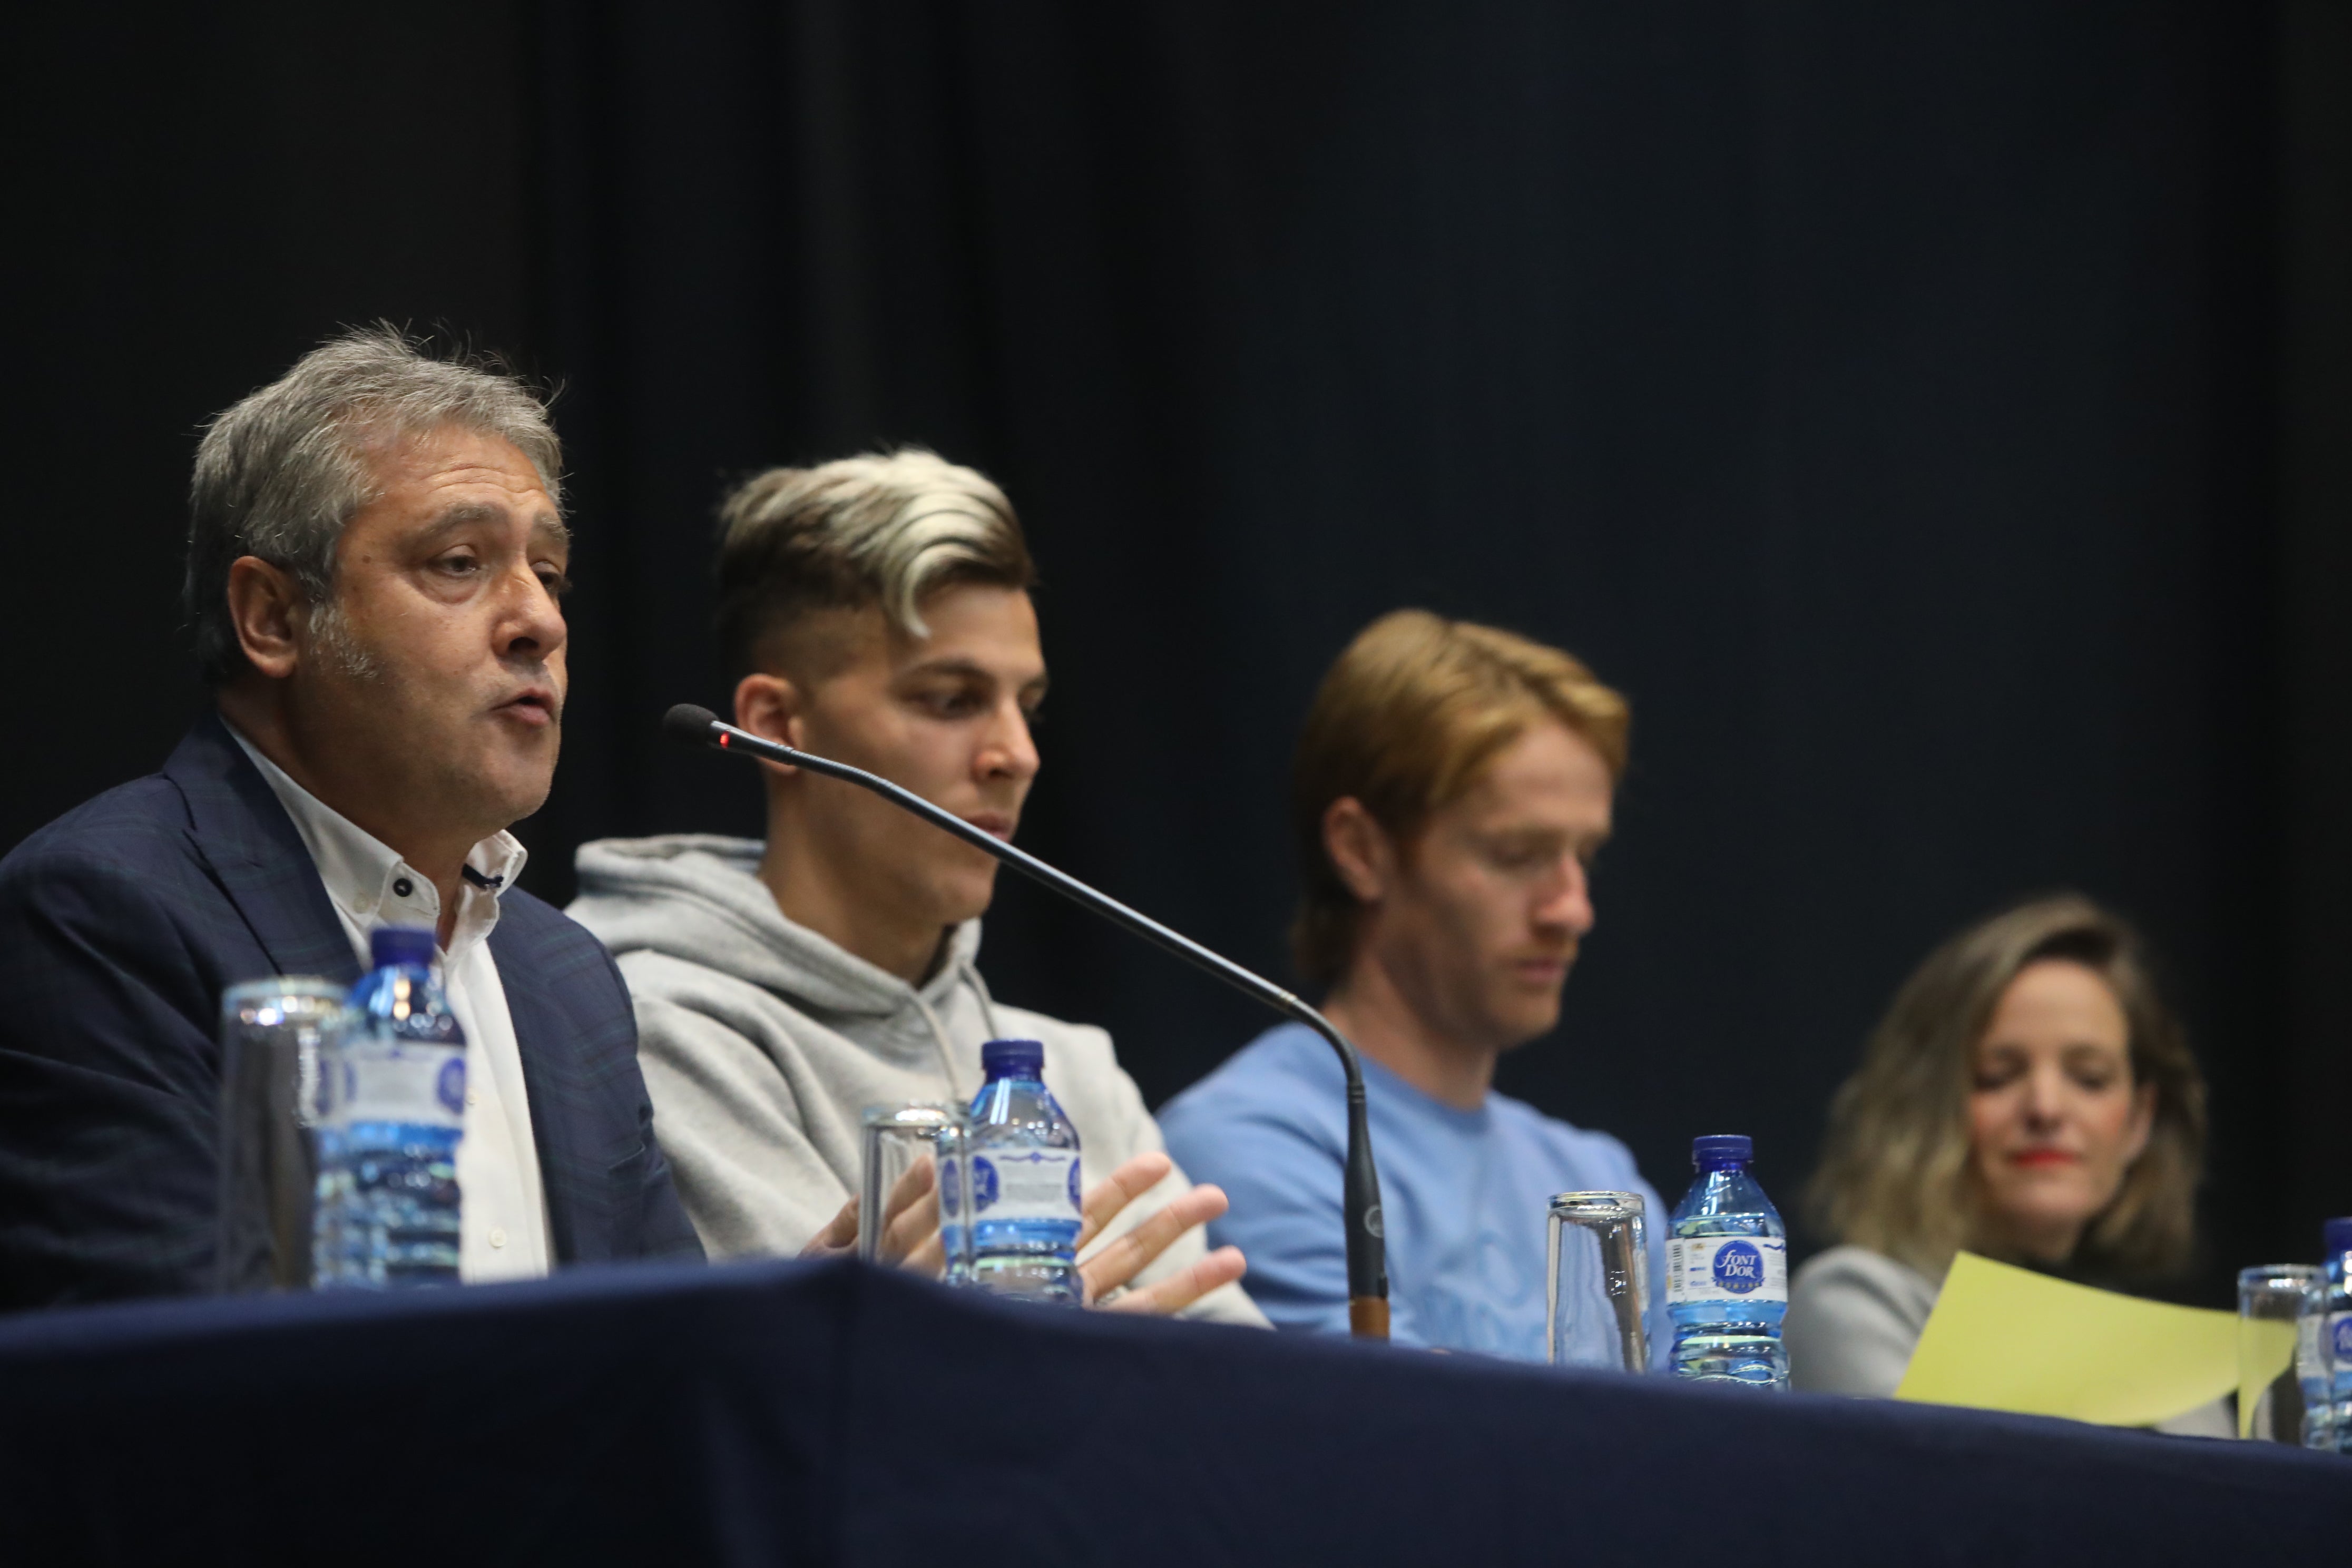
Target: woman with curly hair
{"points": [[2027, 1098]]}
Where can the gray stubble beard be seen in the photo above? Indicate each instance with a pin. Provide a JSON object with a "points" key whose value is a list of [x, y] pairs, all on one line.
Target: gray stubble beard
{"points": [[330, 636]]}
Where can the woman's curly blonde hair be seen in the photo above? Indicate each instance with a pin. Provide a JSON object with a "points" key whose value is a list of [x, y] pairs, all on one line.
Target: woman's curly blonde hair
{"points": [[1895, 1174]]}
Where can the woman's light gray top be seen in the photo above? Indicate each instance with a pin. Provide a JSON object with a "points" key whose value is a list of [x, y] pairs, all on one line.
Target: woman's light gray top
{"points": [[1854, 1317]]}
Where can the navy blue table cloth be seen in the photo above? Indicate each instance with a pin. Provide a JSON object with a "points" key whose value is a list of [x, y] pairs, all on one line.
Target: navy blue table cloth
{"points": [[826, 1413]]}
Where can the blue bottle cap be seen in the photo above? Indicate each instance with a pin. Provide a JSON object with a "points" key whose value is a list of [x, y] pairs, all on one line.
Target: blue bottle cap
{"points": [[1718, 1151], [2336, 1236], [1025, 1059], [388, 946]]}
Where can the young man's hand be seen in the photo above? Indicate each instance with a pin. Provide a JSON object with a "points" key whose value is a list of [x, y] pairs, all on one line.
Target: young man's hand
{"points": [[911, 1237], [911, 1226], [1106, 1273]]}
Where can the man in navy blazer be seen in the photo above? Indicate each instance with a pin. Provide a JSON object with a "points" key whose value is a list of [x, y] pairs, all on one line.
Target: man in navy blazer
{"points": [[376, 555]]}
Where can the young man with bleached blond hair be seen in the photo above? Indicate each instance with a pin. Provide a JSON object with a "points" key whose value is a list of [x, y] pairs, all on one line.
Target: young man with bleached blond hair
{"points": [[1452, 787], [874, 610]]}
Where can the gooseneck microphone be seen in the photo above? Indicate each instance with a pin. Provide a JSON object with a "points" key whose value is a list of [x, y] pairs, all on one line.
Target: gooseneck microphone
{"points": [[1368, 1280]]}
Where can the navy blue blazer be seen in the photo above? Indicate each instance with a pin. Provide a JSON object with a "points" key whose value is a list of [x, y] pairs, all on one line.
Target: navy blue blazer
{"points": [[121, 925]]}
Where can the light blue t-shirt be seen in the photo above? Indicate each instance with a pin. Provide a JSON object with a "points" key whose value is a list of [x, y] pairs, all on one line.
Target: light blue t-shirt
{"points": [[1464, 1194]]}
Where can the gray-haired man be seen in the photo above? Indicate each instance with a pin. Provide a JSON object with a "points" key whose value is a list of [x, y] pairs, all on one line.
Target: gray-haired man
{"points": [[877, 610], [375, 557]]}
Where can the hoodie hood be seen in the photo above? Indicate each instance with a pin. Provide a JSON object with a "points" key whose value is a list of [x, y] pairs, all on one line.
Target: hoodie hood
{"points": [[697, 897]]}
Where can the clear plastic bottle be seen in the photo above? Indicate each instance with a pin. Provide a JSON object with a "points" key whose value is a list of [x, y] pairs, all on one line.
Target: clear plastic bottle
{"points": [[2312, 1373], [391, 1107], [1025, 1180], [1728, 1271], [2325, 1357]]}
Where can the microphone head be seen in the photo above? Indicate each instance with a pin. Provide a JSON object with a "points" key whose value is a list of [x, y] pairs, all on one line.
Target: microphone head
{"points": [[689, 724]]}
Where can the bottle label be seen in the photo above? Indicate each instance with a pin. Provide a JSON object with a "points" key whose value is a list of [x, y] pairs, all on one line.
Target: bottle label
{"points": [[406, 1081], [1032, 1184], [2323, 1347], [1730, 1270], [950, 1181]]}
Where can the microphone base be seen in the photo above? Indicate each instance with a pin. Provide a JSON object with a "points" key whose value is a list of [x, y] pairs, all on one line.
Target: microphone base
{"points": [[1367, 1317]]}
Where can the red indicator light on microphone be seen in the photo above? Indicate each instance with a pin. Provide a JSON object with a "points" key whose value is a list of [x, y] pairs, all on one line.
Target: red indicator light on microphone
{"points": [[723, 738]]}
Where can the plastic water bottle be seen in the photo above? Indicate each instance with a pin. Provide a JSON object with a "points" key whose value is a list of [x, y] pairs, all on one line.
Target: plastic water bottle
{"points": [[1728, 1271], [391, 1110], [2313, 1375], [2327, 1331], [1025, 1180]]}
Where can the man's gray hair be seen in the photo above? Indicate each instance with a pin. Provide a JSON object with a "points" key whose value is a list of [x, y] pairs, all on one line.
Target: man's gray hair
{"points": [[280, 473], [886, 528]]}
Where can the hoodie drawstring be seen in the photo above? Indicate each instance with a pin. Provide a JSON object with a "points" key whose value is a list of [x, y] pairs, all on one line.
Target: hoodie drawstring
{"points": [[970, 976], [940, 1038], [987, 1002]]}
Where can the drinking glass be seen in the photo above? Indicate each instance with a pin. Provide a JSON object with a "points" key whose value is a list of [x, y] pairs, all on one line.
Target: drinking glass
{"points": [[271, 1032], [898, 1137], [2270, 1408], [1598, 1282]]}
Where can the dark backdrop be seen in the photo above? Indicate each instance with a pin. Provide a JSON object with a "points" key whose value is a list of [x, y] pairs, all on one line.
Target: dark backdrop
{"points": [[1934, 418]]}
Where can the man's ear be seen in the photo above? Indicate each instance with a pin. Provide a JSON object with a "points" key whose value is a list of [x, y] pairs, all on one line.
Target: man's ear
{"points": [[771, 707], [1360, 849], [265, 605]]}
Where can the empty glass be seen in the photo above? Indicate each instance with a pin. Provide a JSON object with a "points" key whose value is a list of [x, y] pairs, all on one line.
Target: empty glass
{"points": [[1598, 1282], [271, 1032], [898, 1139], [2270, 1299]]}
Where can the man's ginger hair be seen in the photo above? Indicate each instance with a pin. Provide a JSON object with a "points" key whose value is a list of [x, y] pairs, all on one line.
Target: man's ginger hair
{"points": [[1404, 723]]}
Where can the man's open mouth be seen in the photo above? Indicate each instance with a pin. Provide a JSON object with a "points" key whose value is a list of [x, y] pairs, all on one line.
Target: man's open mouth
{"points": [[536, 706]]}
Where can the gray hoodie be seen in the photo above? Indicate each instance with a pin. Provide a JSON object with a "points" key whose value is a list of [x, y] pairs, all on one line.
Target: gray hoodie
{"points": [[762, 1042]]}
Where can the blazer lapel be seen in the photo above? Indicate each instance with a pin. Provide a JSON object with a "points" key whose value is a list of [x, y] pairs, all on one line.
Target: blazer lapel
{"points": [[244, 834]]}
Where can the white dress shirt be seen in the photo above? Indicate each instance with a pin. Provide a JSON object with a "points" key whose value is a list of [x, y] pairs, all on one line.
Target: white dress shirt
{"points": [[505, 1234]]}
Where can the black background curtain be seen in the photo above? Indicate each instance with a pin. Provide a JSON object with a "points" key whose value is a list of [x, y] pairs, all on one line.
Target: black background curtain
{"points": [[1932, 417]]}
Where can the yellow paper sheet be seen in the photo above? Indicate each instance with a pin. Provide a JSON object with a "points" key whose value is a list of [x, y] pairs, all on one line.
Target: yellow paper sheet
{"points": [[2003, 1338]]}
